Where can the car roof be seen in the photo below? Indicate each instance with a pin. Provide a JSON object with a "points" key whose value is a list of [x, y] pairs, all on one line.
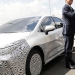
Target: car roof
{"points": [[49, 16]]}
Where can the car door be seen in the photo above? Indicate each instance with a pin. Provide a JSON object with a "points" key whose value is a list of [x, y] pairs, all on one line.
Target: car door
{"points": [[50, 38], [60, 40]]}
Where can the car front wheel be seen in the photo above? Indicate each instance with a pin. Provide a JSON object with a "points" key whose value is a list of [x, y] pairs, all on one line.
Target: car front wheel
{"points": [[34, 63]]}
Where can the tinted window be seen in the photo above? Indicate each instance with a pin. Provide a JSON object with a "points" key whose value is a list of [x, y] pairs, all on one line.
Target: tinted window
{"points": [[57, 19], [58, 22], [20, 25], [47, 21]]}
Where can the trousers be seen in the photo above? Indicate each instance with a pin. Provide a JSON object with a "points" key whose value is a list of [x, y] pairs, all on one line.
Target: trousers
{"points": [[68, 48]]}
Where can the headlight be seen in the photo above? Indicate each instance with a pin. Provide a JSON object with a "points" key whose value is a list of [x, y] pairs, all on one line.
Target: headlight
{"points": [[5, 58], [11, 47]]}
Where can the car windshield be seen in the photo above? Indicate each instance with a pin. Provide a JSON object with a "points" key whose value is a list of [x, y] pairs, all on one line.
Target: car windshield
{"points": [[20, 25]]}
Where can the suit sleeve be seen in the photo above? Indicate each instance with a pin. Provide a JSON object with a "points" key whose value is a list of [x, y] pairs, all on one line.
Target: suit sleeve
{"points": [[66, 12]]}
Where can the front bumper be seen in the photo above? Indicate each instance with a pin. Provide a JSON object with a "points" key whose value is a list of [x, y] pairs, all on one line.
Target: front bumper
{"points": [[13, 59], [5, 68]]}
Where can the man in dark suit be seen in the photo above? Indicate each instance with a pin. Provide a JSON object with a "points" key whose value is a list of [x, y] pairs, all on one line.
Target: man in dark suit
{"points": [[68, 15]]}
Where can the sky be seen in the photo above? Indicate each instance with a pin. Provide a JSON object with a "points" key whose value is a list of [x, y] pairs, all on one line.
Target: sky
{"points": [[14, 9]]}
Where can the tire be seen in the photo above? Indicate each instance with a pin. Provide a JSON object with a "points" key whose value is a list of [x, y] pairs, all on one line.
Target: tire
{"points": [[34, 63]]}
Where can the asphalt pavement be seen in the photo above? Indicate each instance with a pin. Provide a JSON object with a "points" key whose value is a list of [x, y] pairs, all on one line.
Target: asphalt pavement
{"points": [[57, 67]]}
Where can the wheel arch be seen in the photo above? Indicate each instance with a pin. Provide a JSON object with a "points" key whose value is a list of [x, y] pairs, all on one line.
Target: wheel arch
{"points": [[40, 50]]}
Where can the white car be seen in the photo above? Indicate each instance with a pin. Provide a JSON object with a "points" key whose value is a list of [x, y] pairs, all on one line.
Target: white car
{"points": [[27, 44]]}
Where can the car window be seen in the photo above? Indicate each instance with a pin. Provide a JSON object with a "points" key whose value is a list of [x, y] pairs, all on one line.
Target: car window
{"points": [[57, 19], [58, 22], [47, 21], [20, 25]]}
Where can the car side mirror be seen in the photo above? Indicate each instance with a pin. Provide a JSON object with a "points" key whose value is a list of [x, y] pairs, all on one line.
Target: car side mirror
{"points": [[49, 28], [59, 25]]}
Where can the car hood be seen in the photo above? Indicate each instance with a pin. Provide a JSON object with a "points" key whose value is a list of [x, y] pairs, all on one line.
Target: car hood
{"points": [[7, 38]]}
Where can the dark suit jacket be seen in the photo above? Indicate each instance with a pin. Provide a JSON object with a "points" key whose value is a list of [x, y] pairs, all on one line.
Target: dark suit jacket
{"points": [[68, 15]]}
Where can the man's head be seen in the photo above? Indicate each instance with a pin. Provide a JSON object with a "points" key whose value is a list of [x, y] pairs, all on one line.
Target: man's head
{"points": [[69, 1]]}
